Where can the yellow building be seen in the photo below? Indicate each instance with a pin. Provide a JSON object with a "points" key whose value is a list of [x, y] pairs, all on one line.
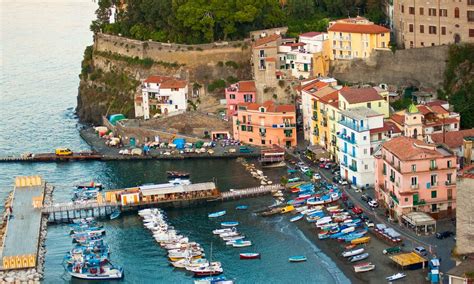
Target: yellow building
{"points": [[330, 105], [356, 38], [321, 60], [363, 97]]}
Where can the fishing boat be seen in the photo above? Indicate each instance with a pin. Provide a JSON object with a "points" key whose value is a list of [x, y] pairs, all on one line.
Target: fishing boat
{"points": [[297, 258], [351, 246], [115, 214], [216, 214], [364, 267], [221, 231], [353, 252], [359, 257], [229, 224], [241, 244], [249, 255], [105, 272], [177, 174], [396, 276], [229, 234], [296, 218], [241, 207]]}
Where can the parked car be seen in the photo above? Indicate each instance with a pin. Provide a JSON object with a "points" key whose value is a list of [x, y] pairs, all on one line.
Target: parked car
{"points": [[366, 198], [421, 251], [328, 166], [357, 210], [444, 235], [316, 176], [322, 165], [343, 182], [369, 223], [301, 164], [335, 179], [373, 203]]}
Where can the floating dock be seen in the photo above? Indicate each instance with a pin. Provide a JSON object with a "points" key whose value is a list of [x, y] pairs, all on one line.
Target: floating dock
{"points": [[22, 236]]}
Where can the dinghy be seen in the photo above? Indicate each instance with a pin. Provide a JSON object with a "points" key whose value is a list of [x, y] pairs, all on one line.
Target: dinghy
{"points": [[353, 252], [296, 218], [249, 255], [115, 214], [241, 244], [241, 207], [216, 214], [364, 267], [297, 258], [359, 257], [230, 224]]}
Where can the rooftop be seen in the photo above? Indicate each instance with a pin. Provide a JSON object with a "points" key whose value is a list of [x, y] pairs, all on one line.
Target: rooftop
{"points": [[166, 82], [463, 268], [310, 34], [165, 189], [358, 28], [360, 95], [360, 113], [243, 86], [419, 218], [407, 149], [452, 139], [269, 106], [387, 127], [266, 40]]}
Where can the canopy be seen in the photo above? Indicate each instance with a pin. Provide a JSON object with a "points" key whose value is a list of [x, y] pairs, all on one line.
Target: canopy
{"points": [[113, 118]]}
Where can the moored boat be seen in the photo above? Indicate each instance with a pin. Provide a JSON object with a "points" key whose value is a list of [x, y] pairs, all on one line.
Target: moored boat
{"points": [[177, 174], [249, 255], [216, 214], [241, 207], [241, 244], [396, 276], [353, 252], [296, 218], [297, 258], [359, 257], [364, 267], [229, 224], [115, 214]]}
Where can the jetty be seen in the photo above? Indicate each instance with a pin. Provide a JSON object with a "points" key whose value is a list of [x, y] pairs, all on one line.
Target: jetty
{"points": [[24, 232], [135, 198]]}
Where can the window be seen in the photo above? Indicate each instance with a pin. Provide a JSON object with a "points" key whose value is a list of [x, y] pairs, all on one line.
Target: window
{"points": [[422, 11], [433, 165], [443, 12], [250, 128], [410, 28], [470, 2], [366, 167], [249, 117], [433, 180], [380, 104], [449, 178], [443, 30], [432, 12], [413, 168], [470, 16], [450, 164], [411, 10], [369, 105], [414, 180], [365, 151], [406, 199], [263, 142], [384, 169], [262, 109], [432, 30], [456, 12], [232, 96], [175, 106], [250, 140], [433, 194], [422, 29], [471, 32], [244, 127], [365, 137], [403, 9]]}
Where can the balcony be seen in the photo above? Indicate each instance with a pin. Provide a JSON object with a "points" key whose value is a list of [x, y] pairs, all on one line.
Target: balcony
{"points": [[324, 123], [433, 167], [450, 183], [414, 186], [353, 168], [347, 138], [316, 132], [323, 112], [431, 185], [395, 199], [353, 126], [419, 202], [263, 134], [333, 143], [314, 117], [332, 118]]}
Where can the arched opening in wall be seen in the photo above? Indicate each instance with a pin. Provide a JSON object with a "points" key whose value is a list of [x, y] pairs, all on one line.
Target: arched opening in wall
{"points": [[457, 38], [415, 133]]}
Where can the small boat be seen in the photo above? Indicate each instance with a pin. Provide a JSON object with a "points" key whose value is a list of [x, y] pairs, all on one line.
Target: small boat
{"points": [[359, 257], [296, 218], [297, 258], [241, 207], [396, 276], [229, 224], [115, 214], [278, 194], [249, 255], [364, 267], [213, 280], [241, 244], [177, 174], [221, 231], [351, 246], [353, 252], [287, 209], [233, 238], [216, 214], [359, 241], [94, 273]]}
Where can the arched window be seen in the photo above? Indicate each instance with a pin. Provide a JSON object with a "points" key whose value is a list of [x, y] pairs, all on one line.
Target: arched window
{"points": [[456, 12]]}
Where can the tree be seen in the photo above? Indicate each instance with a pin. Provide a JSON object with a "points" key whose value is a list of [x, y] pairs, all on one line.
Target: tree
{"points": [[302, 9]]}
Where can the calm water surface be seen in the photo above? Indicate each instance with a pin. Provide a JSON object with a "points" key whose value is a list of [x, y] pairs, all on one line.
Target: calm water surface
{"points": [[42, 43]]}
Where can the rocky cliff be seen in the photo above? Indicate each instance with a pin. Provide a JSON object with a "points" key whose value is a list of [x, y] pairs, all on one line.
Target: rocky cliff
{"points": [[113, 66]]}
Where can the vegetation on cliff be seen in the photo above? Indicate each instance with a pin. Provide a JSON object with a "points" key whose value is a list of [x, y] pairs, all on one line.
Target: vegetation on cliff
{"points": [[199, 21], [458, 86]]}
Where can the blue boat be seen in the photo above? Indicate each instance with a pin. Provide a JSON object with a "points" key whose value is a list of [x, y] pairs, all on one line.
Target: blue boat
{"points": [[216, 214], [241, 207], [291, 171], [230, 224], [297, 258], [296, 218], [115, 214]]}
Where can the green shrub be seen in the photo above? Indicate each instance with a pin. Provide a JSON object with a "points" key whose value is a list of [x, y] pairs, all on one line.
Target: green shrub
{"points": [[232, 64], [215, 85]]}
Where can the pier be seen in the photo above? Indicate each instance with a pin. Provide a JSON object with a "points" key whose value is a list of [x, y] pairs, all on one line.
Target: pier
{"points": [[248, 192], [21, 240]]}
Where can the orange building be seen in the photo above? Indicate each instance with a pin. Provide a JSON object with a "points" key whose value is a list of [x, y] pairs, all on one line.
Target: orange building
{"points": [[265, 124]]}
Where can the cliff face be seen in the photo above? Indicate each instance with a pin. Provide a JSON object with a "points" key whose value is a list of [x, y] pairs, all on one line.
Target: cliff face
{"points": [[113, 66]]}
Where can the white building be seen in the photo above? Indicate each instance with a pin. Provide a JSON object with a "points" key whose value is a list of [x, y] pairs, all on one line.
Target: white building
{"points": [[161, 95], [361, 131], [314, 41]]}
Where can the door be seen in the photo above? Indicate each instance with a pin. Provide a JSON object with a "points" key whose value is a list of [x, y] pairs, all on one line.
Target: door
{"points": [[457, 38], [415, 199], [132, 141], [354, 180], [346, 174], [124, 200]]}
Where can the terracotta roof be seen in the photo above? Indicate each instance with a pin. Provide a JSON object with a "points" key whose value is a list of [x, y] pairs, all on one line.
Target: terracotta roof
{"points": [[453, 139], [406, 148], [294, 44], [314, 86], [436, 103], [269, 106], [441, 121], [331, 97], [439, 109], [247, 86], [387, 126], [360, 95], [358, 28], [166, 82], [335, 103], [310, 34], [398, 118], [267, 39], [173, 84], [424, 109]]}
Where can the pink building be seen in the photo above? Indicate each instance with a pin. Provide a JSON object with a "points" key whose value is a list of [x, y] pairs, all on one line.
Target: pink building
{"points": [[240, 92], [265, 124], [412, 175]]}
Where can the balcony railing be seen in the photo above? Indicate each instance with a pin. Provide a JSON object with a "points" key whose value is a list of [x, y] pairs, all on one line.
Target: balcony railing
{"points": [[433, 167], [353, 168], [419, 202], [346, 138], [395, 199], [353, 126], [449, 183], [415, 186]]}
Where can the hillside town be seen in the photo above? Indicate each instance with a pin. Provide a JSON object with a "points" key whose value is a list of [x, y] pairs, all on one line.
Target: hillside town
{"points": [[384, 165]]}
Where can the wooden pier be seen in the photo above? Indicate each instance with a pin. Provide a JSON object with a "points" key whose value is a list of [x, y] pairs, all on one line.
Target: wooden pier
{"points": [[66, 212]]}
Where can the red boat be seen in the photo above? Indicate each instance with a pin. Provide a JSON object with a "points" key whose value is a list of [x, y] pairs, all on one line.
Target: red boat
{"points": [[249, 255]]}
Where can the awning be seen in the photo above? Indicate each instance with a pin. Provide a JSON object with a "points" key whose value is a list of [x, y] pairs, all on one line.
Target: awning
{"points": [[161, 190]]}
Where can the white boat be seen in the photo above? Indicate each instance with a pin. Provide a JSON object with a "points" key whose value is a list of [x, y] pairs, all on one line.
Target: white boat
{"points": [[106, 273], [296, 218], [359, 257], [241, 244], [216, 214], [189, 262], [396, 276], [234, 238], [229, 234], [364, 267], [353, 252], [323, 221], [222, 231], [348, 230]]}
